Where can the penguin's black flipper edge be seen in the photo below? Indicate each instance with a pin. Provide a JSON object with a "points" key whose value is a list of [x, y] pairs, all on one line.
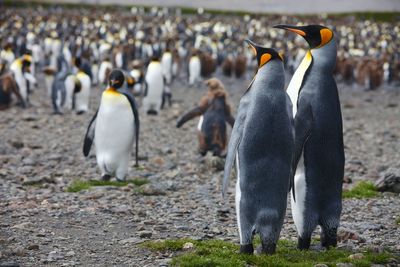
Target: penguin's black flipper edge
{"points": [[132, 101], [303, 124], [89, 136], [197, 111]]}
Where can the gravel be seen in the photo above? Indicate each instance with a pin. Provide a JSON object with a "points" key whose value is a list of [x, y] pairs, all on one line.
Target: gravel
{"points": [[41, 154]]}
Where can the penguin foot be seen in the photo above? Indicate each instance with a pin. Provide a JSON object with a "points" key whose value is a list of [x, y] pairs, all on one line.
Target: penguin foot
{"points": [[106, 177], [328, 242], [268, 249], [246, 249], [80, 112], [303, 243]]}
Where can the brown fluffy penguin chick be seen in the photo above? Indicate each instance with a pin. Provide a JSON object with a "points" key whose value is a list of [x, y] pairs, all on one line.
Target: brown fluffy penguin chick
{"points": [[214, 112]]}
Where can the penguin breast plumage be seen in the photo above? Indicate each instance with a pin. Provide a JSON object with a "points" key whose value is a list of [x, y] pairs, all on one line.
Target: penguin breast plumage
{"points": [[114, 130]]}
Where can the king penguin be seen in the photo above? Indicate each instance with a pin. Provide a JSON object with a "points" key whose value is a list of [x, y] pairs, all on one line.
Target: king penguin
{"points": [[154, 87], [113, 128], [262, 141], [319, 154]]}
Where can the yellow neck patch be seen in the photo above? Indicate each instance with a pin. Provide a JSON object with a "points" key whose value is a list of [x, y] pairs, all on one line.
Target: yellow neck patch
{"points": [[264, 59], [111, 91]]}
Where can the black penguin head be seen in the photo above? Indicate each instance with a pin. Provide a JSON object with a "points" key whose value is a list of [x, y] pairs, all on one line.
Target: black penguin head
{"points": [[26, 63], [315, 35], [263, 54], [116, 78]]}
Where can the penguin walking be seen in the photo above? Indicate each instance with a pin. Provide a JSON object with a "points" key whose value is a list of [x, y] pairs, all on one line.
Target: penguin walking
{"points": [[262, 141], [214, 112], [319, 155], [154, 87], [114, 128]]}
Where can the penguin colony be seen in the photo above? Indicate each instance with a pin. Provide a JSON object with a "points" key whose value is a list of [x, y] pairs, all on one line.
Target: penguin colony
{"points": [[281, 141], [198, 46]]}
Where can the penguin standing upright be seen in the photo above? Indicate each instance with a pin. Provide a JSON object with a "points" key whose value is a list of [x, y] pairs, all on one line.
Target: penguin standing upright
{"points": [[319, 154], [194, 68], [262, 141], [58, 93], [166, 63], [154, 87], [82, 97], [113, 128], [21, 71]]}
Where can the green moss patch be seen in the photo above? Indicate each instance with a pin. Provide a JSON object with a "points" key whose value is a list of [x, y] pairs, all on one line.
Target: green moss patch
{"points": [[79, 185], [361, 190], [220, 253]]}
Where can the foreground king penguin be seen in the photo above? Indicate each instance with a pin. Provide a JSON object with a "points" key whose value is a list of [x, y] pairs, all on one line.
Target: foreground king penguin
{"points": [[262, 141], [319, 154], [113, 128]]}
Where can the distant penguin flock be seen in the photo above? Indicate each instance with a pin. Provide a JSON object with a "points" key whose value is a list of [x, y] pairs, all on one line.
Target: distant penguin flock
{"points": [[284, 141]]}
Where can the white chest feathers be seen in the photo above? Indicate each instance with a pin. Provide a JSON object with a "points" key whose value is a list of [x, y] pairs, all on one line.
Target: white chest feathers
{"points": [[297, 79]]}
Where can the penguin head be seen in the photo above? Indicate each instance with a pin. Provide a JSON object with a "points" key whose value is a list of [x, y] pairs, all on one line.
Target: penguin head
{"points": [[316, 35], [263, 54], [116, 78]]}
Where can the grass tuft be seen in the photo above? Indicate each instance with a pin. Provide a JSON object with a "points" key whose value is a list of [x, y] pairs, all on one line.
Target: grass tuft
{"points": [[79, 185], [397, 221], [361, 190], [221, 253]]}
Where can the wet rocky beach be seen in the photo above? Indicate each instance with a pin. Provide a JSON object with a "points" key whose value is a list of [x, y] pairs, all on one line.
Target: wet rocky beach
{"points": [[41, 155]]}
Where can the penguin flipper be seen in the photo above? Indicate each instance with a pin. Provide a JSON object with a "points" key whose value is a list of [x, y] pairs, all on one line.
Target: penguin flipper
{"points": [[236, 138], [89, 136], [132, 101], [303, 124], [197, 111]]}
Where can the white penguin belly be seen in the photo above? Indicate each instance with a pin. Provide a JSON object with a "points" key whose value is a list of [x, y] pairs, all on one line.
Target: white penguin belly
{"points": [[114, 133], [238, 197], [200, 124], [297, 79], [300, 186]]}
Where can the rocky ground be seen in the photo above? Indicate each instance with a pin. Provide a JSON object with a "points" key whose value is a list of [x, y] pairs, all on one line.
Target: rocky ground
{"points": [[41, 224]]}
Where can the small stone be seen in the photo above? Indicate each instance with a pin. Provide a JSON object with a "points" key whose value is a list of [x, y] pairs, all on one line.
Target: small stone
{"points": [[145, 234], [70, 253], [54, 256], [357, 256], [188, 246], [22, 226], [151, 190], [132, 240], [320, 265], [390, 181], [9, 264], [216, 163], [346, 234], [38, 180], [33, 247], [17, 144]]}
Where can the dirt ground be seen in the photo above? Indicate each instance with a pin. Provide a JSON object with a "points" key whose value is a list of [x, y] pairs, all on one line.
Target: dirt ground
{"points": [[45, 225]]}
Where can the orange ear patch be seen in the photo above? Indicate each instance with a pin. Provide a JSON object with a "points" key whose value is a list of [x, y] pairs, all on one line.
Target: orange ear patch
{"points": [[326, 36], [264, 59], [297, 31]]}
